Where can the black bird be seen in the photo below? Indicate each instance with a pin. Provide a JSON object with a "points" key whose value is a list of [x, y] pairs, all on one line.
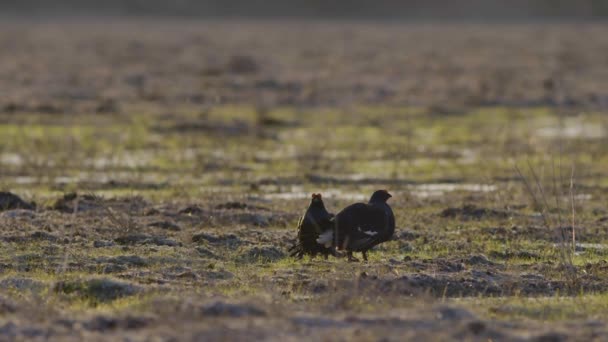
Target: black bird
{"points": [[313, 223], [361, 226]]}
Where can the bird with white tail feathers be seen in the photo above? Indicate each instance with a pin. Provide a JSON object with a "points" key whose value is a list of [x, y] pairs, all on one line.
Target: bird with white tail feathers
{"points": [[315, 222], [361, 226]]}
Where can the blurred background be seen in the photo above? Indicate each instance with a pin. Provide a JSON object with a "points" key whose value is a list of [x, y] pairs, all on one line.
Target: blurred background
{"points": [[275, 97], [383, 9]]}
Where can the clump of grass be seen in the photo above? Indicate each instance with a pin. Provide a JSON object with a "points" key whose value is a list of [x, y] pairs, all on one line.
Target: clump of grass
{"points": [[544, 308], [96, 290], [540, 200], [260, 254]]}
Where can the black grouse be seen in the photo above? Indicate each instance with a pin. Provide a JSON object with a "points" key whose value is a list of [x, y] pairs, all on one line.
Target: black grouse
{"points": [[361, 226], [313, 223]]}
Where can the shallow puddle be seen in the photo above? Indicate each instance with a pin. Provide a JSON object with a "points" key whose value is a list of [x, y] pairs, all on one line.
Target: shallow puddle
{"points": [[586, 245], [13, 159], [439, 189], [572, 130], [419, 190], [330, 194]]}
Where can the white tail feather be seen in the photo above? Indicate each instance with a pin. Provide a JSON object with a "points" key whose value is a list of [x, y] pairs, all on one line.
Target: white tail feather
{"points": [[326, 238]]}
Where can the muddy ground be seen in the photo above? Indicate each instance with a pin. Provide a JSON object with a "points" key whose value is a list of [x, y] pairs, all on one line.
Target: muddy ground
{"points": [[154, 171]]}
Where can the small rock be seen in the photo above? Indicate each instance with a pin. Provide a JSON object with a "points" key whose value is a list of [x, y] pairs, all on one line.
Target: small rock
{"points": [[143, 239], [8, 330], [19, 213], [39, 235], [238, 205], [517, 254], [64, 322], [449, 313], [107, 106], [476, 327], [232, 205], [97, 289], [103, 323], [113, 268], [242, 64], [48, 108], [205, 252], [229, 239], [469, 211], [160, 241], [187, 275], [12, 107], [72, 202], [204, 237], [318, 288], [192, 210], [9, 201], [151, 212], [165, 225], [232, 310], [131, 260], [479, 259], [36, 236], [7, 306], [407, 235], [258, 220], [217, 275], [550, 337], [131, 239], [406, 247], [102, 243], [21, 284], [260, 254]]}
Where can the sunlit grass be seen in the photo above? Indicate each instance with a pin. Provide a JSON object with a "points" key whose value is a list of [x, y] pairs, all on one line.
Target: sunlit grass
{"points": [[555, 308]]}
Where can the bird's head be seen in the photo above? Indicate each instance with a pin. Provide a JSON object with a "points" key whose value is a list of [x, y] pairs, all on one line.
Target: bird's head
{"points": [[380, 196], [316, 198]]}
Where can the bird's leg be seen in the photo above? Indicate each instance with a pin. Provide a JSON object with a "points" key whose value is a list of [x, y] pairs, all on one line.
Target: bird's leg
{"points": [[351, 257], [326, 256], [335, 253], [364, 255]]}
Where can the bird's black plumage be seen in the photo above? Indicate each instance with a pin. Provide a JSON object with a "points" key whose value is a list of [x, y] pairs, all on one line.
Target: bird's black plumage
{"points": [[313, 223], [361, 226]]}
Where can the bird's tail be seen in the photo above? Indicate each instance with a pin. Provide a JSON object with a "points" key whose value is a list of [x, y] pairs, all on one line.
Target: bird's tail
{"points": [[326, 238], [296, 251]]}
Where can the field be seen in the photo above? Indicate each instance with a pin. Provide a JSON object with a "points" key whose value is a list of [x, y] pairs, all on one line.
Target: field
{"points": [[164, 165]]}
